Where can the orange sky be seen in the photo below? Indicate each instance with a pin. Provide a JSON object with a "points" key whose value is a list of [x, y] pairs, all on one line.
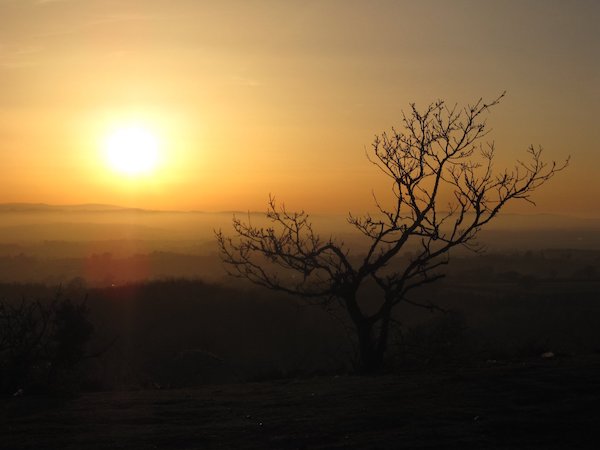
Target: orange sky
{"points": [[256, 97]]}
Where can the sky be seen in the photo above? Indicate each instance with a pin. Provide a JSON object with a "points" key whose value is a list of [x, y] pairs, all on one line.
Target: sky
{"points": [[249, 98]]}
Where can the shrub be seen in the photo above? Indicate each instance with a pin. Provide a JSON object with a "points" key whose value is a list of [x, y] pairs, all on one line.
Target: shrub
{"points": [[42, 344]]}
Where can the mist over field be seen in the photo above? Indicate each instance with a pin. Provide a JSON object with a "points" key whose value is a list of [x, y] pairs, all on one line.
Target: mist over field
{"points": [[105, 245], [162, 270]]}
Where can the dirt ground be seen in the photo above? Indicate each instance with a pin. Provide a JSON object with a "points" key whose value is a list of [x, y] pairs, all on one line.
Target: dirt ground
{"points": [[534, 404]]}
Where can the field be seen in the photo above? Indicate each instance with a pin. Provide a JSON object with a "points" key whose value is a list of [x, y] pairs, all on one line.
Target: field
{"points": [[531, 404]]}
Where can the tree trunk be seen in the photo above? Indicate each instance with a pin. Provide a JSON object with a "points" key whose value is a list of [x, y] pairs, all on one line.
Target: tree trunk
{"points": [[373, 338], [370, 350], [372, 335]]}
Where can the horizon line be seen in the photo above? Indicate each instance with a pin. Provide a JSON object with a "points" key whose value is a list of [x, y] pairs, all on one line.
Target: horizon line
{"points": [[107, 207]]}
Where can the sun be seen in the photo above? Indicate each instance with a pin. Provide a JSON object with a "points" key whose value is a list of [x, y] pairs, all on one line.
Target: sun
{"points": [[132, 150]]}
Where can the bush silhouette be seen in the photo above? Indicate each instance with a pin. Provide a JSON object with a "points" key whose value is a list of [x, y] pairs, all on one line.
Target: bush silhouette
{"points": [[41, 344]]}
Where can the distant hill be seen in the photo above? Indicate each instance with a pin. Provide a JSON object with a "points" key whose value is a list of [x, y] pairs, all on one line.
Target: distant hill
{"points": [[43, 207], [519, 221]]}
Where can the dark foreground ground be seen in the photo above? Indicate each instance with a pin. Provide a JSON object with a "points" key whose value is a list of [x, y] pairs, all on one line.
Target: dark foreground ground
{"points": [[537, 404]]}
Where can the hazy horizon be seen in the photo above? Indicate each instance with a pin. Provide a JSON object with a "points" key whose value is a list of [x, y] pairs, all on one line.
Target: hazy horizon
{"points": [[105, 207]]}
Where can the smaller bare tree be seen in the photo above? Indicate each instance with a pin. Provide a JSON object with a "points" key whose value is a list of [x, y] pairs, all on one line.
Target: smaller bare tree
{"points": [[444, 191]]}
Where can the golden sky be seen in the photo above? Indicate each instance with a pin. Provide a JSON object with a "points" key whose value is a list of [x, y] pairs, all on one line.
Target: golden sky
{"points": [[247, 98]]}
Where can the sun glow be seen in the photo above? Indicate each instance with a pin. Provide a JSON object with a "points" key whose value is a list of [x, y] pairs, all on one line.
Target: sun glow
{"points": [[132, 150]]}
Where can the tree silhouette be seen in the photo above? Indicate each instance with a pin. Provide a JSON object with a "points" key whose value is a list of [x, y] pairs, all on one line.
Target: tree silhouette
{"points": [[445, 189]]}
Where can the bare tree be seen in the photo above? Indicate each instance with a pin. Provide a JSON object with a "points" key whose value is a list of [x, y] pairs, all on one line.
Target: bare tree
{"points": [[445, 189]]}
